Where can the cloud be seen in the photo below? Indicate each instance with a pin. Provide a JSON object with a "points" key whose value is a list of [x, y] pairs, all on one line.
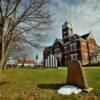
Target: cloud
{"points": [[83, 14]]}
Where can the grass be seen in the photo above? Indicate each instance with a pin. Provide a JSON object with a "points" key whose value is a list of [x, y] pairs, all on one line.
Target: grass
{"points": [[39, 84]]}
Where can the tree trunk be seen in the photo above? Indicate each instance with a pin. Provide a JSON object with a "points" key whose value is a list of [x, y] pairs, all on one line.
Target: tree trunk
{"points": [[4, 56], [2, 49]]}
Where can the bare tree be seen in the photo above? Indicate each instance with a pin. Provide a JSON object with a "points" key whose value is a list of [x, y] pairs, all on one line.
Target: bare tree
{"points": [[24, 19], [19, 50]]}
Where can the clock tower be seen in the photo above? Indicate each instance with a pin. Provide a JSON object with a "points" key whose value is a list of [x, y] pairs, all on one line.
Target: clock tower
{"points": [[67, 30]]}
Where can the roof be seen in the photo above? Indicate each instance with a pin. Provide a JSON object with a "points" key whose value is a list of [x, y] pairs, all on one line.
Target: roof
{"points": [[85, 36], [27, 62], [59, 40], [48, 48]]}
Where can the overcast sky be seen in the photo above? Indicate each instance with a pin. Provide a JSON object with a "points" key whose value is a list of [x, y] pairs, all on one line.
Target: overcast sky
{"points": [[83, 14]]}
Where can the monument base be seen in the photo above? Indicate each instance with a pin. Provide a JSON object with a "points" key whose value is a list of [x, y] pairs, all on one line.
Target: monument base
{"points": [[69, 89], [87, 90]]}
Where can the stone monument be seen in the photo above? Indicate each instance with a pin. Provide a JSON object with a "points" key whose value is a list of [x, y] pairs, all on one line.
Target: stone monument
{"points": [[76, 75]]}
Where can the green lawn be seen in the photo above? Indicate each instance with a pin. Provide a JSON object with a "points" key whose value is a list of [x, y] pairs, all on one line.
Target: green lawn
{"points": [[39, 84]]}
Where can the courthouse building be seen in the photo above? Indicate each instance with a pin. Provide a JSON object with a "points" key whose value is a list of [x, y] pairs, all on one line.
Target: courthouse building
{"points": [[72, 47]]}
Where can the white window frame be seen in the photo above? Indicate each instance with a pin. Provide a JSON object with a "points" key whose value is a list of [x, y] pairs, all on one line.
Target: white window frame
{"points": [[74, 56], [65, 48], [73, 46], [71, 56]]}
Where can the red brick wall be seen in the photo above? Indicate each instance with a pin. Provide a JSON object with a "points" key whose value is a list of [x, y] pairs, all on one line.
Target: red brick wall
{"points": [[91, 48], [83, 53], [77, 51]]}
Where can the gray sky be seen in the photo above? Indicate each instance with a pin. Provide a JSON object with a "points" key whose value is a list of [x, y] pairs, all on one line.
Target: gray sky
{"points": [[83, 14]]}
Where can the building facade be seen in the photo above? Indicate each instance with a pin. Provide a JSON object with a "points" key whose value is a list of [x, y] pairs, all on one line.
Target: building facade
{"points": [[11, 62], [26, 63], [72, 47]]}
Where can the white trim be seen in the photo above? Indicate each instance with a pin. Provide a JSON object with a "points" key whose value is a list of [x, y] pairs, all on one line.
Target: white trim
{"points": [[74, 56], [51, 61], [91, 36], [73, 50], [65, 48], [73, 47]]}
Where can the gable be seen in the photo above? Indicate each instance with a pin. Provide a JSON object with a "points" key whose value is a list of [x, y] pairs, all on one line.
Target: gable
{"points": [[85, 36], [57, 45], [90, 36], [58, 41]]}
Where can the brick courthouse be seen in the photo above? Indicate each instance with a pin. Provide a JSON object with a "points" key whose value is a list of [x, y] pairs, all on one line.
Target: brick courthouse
{"points": [[72, 47]]}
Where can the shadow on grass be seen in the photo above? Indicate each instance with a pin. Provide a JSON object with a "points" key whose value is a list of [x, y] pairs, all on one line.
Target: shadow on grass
{"points": [[2, 82], [51, 86]]}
